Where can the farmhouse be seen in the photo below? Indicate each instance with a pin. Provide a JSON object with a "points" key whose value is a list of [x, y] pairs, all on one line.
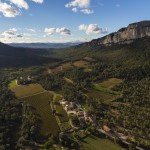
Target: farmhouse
{"points": [[24, 80], [106, 128], [73, 108]]}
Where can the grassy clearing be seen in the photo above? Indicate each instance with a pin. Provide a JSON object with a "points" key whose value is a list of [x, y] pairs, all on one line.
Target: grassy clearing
{"points": [[110, 83], [12, 84], [80, 63], [90, 59], [68, 80], [62, 67], [41, 103], [56, 97], [87, 70], [96, 143], [103, 96], [103, 90], [26, 90], [100, 88], [61, 113]]}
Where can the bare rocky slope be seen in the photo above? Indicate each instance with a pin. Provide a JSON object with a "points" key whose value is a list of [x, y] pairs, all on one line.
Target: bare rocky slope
{"points": [[125, 35]]}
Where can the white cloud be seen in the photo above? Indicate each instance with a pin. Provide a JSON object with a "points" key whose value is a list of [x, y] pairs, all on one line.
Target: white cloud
{"points": [[83, 5], [50, 31], [31, 30], [79, 3], [20, 3], [87, 11], [8, 10], [92, 29], [11, 33], [38, 1], [13, 29], [74, 9], [62, 31]]}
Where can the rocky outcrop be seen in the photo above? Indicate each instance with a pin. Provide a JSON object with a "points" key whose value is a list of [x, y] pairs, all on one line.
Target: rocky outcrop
{"points": [[125, 35]]}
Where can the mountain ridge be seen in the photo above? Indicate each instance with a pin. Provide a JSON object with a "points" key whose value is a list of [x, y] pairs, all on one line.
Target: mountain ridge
{"points": [[124, 35], [45, 45]]}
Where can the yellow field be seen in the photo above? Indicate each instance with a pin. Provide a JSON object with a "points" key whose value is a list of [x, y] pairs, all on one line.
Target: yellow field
{"points": [[26, 90], [110, 83], [80, 63], [61, 67], [13, 84], [87, 70], [90, 59], [68, 80]]}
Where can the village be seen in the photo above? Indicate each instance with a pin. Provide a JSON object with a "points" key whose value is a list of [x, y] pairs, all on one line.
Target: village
{"points": [[75, 109]]}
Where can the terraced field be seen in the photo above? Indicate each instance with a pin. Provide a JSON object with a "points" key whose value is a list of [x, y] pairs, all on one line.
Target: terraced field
{"points": [[41, 103]]}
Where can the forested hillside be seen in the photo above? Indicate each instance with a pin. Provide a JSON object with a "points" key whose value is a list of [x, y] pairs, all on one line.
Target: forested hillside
{"points": [[24, 57]]}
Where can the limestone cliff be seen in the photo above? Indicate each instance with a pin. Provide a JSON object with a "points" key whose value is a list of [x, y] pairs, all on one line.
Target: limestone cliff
{"points": [[125, 35]]}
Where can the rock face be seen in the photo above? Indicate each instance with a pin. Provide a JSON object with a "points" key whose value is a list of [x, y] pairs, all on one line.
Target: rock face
{"points": [[125, 35]]}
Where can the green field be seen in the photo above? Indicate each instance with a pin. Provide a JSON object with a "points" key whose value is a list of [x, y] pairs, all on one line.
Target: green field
{"points": [[60, 112], [96, 143], [103, 96], [12, 84], [68, 80], [87, 70], [26, 90], [62, 115], [41, 103], [107, 90], [110, 83], [106, 86]]}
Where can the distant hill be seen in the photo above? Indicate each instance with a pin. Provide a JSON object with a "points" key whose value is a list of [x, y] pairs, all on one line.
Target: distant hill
{"points": [[44, 45], [23, 57]]}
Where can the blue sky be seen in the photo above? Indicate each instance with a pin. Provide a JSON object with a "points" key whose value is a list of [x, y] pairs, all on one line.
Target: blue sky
{"points": [[67, 20]]}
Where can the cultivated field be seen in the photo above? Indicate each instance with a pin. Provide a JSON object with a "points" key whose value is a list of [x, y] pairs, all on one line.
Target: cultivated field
{"points": [[62, 67], [90, 59], [106, 86], [102, 89], [26, 90], [13, 84], [103, 96], [61, 114], [87, 70], [41, 103], [95, 143], [80, 63], [110, 83], [68, 80]]}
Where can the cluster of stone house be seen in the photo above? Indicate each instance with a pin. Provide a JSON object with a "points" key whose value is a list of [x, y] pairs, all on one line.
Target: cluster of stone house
{"points": [[73, 108], [24, 80]]}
